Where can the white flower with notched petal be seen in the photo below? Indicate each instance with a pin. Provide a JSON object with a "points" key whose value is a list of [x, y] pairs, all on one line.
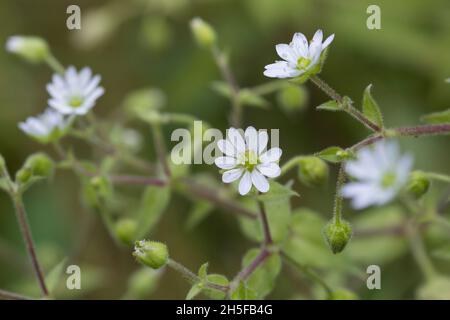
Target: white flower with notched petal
{"points": [[299, 57], [49, 126], [381, 172], [244, 158], [74, 93]]}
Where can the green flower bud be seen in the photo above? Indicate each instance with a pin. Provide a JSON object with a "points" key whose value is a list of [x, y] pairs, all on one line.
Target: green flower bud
{"points": [[151, 253], [337, 235], [37, 166], [142, 101], [126, 230], [203, 32], [418, 184], [292, 98], [342, 294], [313, 171], [32, 49]]}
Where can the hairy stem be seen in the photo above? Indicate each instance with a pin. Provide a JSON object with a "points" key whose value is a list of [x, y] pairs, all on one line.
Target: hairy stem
{"points": [[265, 224], [337, 212], [247, 271], [290, 164], [28, 239]]}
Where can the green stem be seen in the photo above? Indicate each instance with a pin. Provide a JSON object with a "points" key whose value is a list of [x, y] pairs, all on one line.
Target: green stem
{"points": [[337, 212], [28, 239], [419, 253], [161, 149], [308, 272], [290, 164], [438, 176], [54, 64], [6, 295]]}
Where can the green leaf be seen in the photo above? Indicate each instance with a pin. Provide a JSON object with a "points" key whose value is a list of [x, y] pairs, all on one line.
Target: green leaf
{"points": [[251, 99], [370, 108], [262, 280], [242, 292], [203, 271], [194, 291], [277, 191], [222, 88], [437, 117], [54, 276], [334, 154], [331, 105], [216, 279], [154, 201]]}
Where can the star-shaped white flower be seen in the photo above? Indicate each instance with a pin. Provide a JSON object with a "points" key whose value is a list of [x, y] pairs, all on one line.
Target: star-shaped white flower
{"points": [[246, 158], [381, 172], [74, 93], [299, 57], [49, 126]]}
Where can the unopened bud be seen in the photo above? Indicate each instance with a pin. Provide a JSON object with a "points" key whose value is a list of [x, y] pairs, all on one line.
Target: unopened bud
{"points": [[292, 98], [151, 253], [313, 171], [418, 184], [38, 165], [126, 230], [32, 49], [337, 234], [203, 32]]}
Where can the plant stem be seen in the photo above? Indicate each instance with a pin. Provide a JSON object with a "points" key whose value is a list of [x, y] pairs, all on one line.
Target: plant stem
{"points": [[290, 164], [6, 295], [265, 224], [161, 148], [438, 176], [419, 253], [192, 277], [54, 64], [137, 180], [308, 272], [222, 63], [429, 129], [247, 271], [337, 212], [355, 113], [28, 239]]}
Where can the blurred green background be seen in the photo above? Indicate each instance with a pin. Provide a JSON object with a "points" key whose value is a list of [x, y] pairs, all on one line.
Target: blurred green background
{"points": [[147, 43]]}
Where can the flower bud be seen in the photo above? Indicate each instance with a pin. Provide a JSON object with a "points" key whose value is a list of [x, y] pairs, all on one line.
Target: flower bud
{"points": [[418, 184], [292, 98], [126, 230], [38, 165], [313, 171], [151, 253], [342, 294], [337, 234], [203, 32], [32, 49]]}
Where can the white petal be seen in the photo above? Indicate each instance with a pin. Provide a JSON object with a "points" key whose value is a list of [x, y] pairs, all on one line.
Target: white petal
{"points": [[63, 108], [281, 69], [226, 148], [232, 175], [225, 162], [287, 53], [271, 155], [271, 169], [245, 184], [300, 44], [362, 194], [263, 138], [327, 42], [71, 76], [84, 77], [235, 137], [251, 139], [259, 181], [93, 83]]}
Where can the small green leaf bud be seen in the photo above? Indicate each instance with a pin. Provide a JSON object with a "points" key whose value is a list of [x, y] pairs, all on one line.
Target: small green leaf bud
{"points": [[203, 33], [152, 254], [342, 294], [292, 98], [126, 230], [32, 49], [337, 234], [418, 184], [38, 165], [313, 171]]}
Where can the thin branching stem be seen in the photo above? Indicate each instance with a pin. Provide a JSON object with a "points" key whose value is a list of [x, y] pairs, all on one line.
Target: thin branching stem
{"points": [[7, 295]]}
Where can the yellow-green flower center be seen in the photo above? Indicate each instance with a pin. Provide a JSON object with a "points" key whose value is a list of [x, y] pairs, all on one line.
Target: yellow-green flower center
{"points": [[249, 160], [303, 63], [388, 180], [75, 101]]}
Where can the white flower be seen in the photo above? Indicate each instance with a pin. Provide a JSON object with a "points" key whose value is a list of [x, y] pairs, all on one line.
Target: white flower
{"points": [[244, 158], [298, 56], [46, 127], [381, 172], [74, 93]]}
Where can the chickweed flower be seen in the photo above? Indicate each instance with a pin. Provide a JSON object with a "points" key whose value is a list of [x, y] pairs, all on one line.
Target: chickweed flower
{"points": [[75, 92], [47, 127], [299, 58], [244, 158], [381, 172]]}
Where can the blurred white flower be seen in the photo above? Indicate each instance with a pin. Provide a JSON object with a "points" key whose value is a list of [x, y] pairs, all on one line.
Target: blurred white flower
{"points": [[49, 126], [33, 49], [244, 158], [298, 56], [74, 93], [381, 172]]}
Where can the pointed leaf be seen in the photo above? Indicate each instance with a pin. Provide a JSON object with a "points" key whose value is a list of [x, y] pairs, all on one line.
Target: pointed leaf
{"points": [[194, 291], [331, 105], [370, 108], [437, 117], [333, 154], [203, 271]]}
